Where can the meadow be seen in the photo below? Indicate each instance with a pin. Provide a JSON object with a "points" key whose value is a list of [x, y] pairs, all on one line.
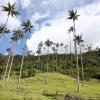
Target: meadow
{"points": [[34, 88]]}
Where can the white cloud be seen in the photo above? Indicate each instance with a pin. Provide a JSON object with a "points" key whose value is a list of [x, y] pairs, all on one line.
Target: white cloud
{"points": [[88, 24], [38, 16], [25, 3], [57, 32]]}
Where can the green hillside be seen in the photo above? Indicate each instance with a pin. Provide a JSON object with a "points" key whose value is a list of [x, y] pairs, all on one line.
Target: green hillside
{"points": [[59, 85]]}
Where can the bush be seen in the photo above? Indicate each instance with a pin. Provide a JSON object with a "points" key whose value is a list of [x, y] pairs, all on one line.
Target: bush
{"points": [[31, 72], [24, 74], [28, 73]]}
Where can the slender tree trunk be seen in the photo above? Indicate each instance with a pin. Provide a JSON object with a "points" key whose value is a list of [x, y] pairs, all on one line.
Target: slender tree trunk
{"points": [[71, 55], [22, 64], [56, 62], [47, 67], [77, 65], [5, 72], [78, 76], [39, 62], [47, 74], [9, 69], [70, 47], [82, 66], [20, 71]]}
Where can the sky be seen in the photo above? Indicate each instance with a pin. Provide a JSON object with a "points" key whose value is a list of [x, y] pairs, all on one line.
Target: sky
{"points": [[49, 20]]}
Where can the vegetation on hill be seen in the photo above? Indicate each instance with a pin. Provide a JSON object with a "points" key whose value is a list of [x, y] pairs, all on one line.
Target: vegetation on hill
{"points": [[59, 87]]}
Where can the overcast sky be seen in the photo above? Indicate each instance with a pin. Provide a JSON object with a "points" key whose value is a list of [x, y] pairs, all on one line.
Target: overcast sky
{"points": [[49, 20]]}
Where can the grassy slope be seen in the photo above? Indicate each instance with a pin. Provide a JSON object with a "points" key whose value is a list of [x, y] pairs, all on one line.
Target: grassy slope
{"points": [[34, 88]]}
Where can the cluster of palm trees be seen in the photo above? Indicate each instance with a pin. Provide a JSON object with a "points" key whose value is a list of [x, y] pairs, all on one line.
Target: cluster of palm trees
{"points": [[21, 32], [78, 41]]}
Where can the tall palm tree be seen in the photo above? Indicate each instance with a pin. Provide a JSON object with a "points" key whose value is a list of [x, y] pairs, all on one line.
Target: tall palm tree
{"points": [[79, 42], [48, 43], [74, 16], [9, 50], [27, 26], [11, 11], [18, 34]]}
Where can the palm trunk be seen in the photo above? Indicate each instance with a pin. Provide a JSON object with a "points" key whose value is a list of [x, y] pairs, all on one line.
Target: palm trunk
{"points": [[77, 65], [47, 67], [20, 71], [5, 73], [71, 56], [47, 74], [56, 62], [22, 64], [82, 66], [9, 69], [10, 66], [70, 47], [39, 62], [78, 78]]}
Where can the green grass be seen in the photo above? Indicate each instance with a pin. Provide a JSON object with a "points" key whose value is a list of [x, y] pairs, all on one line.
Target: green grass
{"points": [[33, 88]]}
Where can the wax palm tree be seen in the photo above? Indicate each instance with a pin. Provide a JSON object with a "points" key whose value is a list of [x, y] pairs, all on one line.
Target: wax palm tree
{"points": [[11, 11], [74, 16], [79, 41], [18, 34], [9, 50], [27, 27], [48, 43]]}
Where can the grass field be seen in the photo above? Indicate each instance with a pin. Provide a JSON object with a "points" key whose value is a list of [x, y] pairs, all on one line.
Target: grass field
{"points": [[58, 85]]}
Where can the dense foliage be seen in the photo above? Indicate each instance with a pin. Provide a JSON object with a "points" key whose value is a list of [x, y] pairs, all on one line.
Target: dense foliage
{"points": [[32, 64]]}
